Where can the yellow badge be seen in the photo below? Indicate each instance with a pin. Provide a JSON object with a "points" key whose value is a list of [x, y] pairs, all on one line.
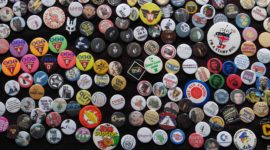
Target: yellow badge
{"points": [[84, 61], [83, 97], [150, 13], [119, 83], [191, 7], [132, 2], [39, 46], [101, 67]]}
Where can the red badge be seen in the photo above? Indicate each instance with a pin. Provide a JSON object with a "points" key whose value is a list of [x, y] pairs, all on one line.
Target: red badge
{"points": [[234, 81], [66, 59], [25, 80], [90, 116], [214, 65], [196, 140]]}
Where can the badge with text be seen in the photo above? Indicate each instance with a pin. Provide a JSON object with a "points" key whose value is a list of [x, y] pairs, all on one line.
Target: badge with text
{"points": [[11, 66], [66, 59], [29, 63], [224, 38], [84, 61]]}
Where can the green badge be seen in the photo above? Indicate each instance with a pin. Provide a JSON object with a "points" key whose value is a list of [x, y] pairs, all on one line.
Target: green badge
{"points": [[216, 81], [83, 97], [57, 43]]}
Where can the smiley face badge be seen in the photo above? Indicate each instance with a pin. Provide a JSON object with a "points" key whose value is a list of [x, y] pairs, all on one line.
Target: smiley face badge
{"points": [[84, 61], [150, 13], [11, 66], [66, 59]]}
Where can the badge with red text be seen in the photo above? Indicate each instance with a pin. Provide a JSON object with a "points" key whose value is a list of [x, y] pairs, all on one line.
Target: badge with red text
{"points": [[54, 17], [90, 116], [106, 136], [66, 59], [48, 62], [84, 61], [197, 91], [11, 66], [224, 38], [29, 63], [39, 46], [18, 47]]}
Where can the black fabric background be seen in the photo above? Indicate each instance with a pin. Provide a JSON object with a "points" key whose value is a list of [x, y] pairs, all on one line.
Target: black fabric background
{"points": [[69, 142]]}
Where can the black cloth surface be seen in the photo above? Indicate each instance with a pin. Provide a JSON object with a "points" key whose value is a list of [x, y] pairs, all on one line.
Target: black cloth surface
{"points": [[69, 142]]}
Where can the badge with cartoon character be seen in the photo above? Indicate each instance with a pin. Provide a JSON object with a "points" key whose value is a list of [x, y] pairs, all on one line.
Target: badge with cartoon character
{"points": [[150, 13]]}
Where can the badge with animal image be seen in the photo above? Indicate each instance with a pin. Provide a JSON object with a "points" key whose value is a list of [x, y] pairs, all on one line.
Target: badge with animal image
{"points": [[106, 136], [245, 139], [224, 38], [150, 13]]}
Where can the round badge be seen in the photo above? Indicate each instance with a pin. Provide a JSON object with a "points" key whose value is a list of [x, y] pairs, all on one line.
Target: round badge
{"points": [[175, 94], [229, 67], [214, 65], [246, 115], [13, 105], [75, 9], [99, 99], [54, 136], [153, 64], [258, 13], [250, 34], [57, 43], [208, 10], [29, 63], [243, 20], [18, 47], [83, 135], [216, 81], [128, 142], [17, 24], [248, 77], [84, 61], [177, 136], [39, 46], [261, 109], [34, 22], [90, 116], [160, 137], [241, 61], [12, 88], [184, 51], [4, 46], [66, 91], [220, 18], [36, 91], [54, 17], [224, 38], [190, 66], [68, 126], [263, 55], [197, 91], [140, 33], [66, 59], [203, 128], [248, 48], [216, 123], [196, 140], [25, 80], [28, 104], [150, 13], [11, 66], [4, 31], [104, 11], [37, 131], [144, 135], [83, 97], [106, 136], [245, 139], [151, 117], [224, 139], [138, 102]]}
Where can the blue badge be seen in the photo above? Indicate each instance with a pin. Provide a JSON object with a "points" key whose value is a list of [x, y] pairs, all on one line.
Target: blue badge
{"points": [[197, 91], [0, 68], [177, 136], [262, 83], [41, 78], [73, 74], [182, 29], [228, 68], [242, 20], [178, 3]]}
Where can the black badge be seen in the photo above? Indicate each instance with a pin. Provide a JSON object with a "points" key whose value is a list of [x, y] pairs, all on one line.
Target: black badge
{"points": [[82, 44], [112, 34], [134, 49], [230, 114], [136, 70], [118, 119], [127, 35], [49, 63], [114, 50], [98, 45]]}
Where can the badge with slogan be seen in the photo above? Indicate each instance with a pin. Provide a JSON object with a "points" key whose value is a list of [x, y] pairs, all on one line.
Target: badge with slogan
{"points": [[29, 63], [84, 61], [11, 66], [66, 59], [224, 38], [106, 136], [39, 46], [18, 47], [57, 43], [150, 13], [197, 91], [49, 62]]}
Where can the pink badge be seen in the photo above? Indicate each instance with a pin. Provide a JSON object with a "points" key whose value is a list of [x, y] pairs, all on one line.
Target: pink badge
{"points": [[29, 63], [25, 80], [3, 124], [250, 34], [4, 46], [66, 59]]}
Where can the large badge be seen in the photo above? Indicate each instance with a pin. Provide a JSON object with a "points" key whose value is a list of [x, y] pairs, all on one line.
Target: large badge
{"points": [[224, 38]]}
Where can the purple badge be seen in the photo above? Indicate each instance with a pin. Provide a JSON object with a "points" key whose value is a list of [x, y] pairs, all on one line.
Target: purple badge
{"points": [[18, 47], [3, 124], [29, 63]]}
